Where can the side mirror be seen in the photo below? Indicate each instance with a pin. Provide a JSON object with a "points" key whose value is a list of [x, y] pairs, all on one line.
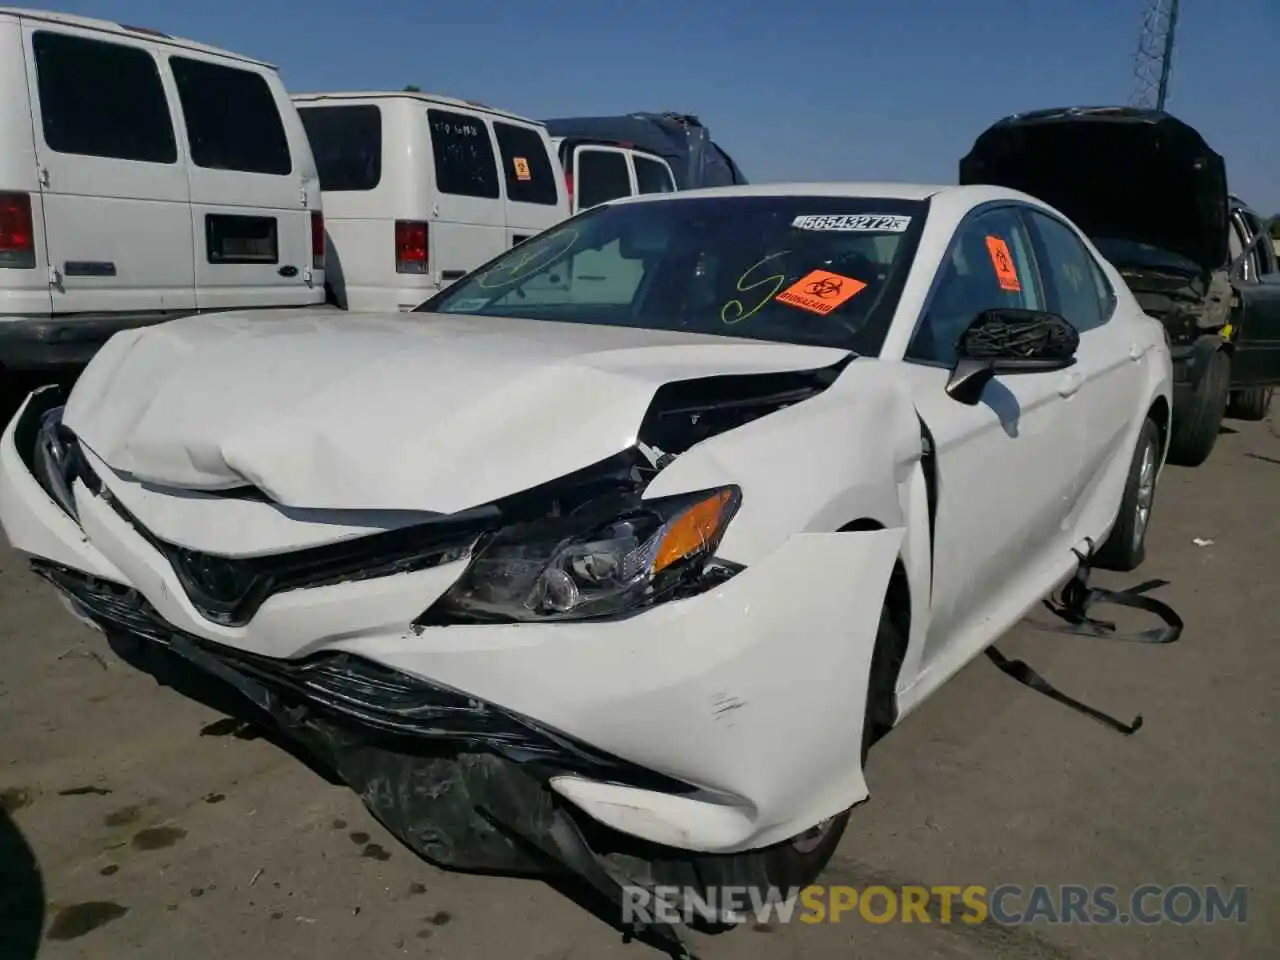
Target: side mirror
{"points": [[1009, 341]]}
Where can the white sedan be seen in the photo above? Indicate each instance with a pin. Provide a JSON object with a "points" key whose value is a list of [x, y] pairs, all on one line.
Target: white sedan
{"points": [[636, 538]]}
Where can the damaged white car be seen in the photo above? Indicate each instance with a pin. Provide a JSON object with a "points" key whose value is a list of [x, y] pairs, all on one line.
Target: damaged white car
{"points": [[620, 552]]}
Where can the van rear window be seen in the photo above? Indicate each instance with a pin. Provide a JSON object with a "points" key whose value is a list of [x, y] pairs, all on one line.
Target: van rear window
{"points": [[231, 117], [347, 144], [463, 153], [530, 176], [101, 99]]}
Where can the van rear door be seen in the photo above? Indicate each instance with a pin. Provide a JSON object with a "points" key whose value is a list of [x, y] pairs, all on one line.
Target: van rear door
{"points": [[249, 191], [535, 196], [468, 224], [113, 182]]}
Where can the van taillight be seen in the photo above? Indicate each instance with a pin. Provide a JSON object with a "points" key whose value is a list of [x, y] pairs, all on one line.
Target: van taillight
{"points": [[568, 185], [17, 235], [317, 240], [411, 246]]}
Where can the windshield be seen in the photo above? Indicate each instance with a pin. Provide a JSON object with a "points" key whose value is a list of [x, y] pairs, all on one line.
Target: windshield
{"points": [[806, 270]]}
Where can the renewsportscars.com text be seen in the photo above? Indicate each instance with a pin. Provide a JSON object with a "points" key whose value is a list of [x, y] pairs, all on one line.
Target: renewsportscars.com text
{"points": [[1007, 904]]}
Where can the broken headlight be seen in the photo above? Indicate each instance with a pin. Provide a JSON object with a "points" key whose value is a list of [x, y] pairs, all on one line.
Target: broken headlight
{"points": [[588, 565]]}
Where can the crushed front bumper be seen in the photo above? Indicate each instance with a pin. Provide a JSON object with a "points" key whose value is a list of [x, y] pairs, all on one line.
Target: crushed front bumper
{"points": [[717, 724]]}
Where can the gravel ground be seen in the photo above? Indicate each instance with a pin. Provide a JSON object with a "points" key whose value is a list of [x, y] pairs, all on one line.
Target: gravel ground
{"points": [[143, 825]]}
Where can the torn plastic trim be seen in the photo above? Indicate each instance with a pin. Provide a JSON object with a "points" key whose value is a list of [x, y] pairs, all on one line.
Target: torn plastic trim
{"points": [[1072, 604]]}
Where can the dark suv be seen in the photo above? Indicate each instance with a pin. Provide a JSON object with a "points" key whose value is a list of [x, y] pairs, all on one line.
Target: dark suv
{"points": [[1152, 195]]}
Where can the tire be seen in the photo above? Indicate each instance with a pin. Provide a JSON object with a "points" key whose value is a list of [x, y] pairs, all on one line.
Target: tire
{"points": [[1251, 404], [1196, 421], [1126, 546], [796, 863]]}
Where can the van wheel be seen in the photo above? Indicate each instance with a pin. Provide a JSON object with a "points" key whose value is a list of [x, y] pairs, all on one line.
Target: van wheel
{"points": [[1251, 404], [1197, 420], [1126, 547], [796, 863]]}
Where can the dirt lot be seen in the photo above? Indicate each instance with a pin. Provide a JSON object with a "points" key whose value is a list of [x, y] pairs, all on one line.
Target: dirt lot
{"points": [[143, 825]]}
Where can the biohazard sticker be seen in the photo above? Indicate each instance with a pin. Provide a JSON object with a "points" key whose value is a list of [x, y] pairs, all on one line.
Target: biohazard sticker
{"points": [[853, 223], [522, 168], [1002, 261], [820, 291]]}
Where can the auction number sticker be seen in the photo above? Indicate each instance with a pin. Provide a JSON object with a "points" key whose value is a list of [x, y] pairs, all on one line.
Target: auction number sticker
{"points": [[853, 223], [521, 165]]}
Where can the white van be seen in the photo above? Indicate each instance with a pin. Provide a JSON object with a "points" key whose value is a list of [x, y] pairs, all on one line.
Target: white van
{"points": [[142, 178], [420, 189], [598, 171]]}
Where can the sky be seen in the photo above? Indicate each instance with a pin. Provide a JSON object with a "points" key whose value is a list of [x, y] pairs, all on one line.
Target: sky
{"points": [[794, 90]]}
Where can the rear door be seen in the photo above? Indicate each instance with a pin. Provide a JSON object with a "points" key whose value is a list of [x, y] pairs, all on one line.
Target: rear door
{"points": [[114, 183], [535, 197], [468, 225], [249, 211]]}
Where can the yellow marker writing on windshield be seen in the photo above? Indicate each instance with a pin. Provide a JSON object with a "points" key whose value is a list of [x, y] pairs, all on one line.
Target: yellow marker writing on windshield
{"points": [[527, 261], [733, 311]]}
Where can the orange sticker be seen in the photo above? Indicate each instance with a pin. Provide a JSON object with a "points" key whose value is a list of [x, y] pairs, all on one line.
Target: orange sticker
{"points": [[522, 168], [1002, 260], [821, 291]]}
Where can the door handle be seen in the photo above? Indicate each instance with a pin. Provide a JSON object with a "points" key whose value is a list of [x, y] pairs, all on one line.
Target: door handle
{"points": [[1070, 384], [1135, 352]]}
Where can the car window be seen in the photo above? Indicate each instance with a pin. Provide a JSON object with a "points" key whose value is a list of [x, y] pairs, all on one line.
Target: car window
{"points": [[102, 99], [794, 269], [231, 118], [1235, 247], [463, 154], [1070, 274], [602, 176], [1263, 254], [652, 176], [530, 176], [990, 265], [347, 145]]}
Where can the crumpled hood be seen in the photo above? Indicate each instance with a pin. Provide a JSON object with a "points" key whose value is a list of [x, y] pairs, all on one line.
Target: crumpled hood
{"points": [[328, 410], [1118, 172]]}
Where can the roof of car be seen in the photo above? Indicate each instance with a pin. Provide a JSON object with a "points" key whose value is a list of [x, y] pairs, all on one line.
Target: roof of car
{"points": [[125, 30], [879, 191], [435, 98]]}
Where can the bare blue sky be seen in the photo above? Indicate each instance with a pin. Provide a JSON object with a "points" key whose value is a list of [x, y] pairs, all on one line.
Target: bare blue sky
{"points": [[798, 90]]}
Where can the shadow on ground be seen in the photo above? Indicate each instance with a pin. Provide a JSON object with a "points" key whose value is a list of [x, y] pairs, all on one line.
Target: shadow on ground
{"points": [[21, 894]]}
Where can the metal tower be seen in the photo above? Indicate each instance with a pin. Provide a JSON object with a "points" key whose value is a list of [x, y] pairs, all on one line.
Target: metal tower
{"points": [[1155, 54]]}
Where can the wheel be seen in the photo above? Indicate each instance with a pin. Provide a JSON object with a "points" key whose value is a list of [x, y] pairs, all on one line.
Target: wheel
{"points": [[1251, 404], [1197, 420], [796, 863], [1125, 547]]}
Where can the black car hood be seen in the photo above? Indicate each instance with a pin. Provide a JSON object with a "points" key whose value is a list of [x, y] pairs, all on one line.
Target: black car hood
{"points": [[1118, 172]]}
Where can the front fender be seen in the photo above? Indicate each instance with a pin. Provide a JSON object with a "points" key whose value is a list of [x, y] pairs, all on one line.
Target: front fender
{"points": [[844, 455]]}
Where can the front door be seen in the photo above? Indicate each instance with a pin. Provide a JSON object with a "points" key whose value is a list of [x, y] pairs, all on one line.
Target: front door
{"points": [[1005, 465], [114, 178]]}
